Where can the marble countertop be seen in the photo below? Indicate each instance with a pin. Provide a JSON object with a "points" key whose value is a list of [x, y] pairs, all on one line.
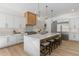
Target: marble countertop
{"points": [[7, 34], [42, 36]]}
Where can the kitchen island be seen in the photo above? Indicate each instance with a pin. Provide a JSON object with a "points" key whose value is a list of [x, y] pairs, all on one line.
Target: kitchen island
{"points": [[32, 42]]}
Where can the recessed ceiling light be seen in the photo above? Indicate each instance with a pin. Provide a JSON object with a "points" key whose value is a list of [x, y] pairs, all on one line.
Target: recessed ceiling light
{"points": [[73, 10]]}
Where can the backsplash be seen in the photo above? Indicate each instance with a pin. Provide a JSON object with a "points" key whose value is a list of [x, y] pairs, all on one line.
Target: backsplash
{"points": [[10, 30]]}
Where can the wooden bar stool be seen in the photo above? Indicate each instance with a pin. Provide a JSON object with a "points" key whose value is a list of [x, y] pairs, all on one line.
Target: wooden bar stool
{"points": [[57, 41], [60, 38], [52, 44], [45, 48]]}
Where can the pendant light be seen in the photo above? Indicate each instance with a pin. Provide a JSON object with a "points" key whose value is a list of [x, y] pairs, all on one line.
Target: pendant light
{"points": [[38, 10], [46, 11], [51, 13]]}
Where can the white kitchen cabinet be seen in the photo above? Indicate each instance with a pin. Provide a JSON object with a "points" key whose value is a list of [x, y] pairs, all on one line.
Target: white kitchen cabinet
{"points": [[11, 40], [19, 38], [14, 39], [74, 37], [3, 41], [77, 37], [8, 40], [14, 21], [10, 21], [17, 22], [2, 20], [22, 22]]}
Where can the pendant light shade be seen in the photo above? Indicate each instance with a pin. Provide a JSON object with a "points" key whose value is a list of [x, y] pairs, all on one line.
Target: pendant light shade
{"points": [[46, 11], [51, 13], [38, 10]]}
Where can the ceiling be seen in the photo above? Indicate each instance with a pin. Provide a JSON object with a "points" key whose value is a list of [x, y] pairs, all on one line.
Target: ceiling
{"points": [[17, 8], [58, 8]]}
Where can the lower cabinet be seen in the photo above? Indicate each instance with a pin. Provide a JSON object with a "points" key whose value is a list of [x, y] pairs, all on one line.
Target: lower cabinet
{"points": [[3, 41], [74, 37], [10, 40], [17, 38], [71, 36]]}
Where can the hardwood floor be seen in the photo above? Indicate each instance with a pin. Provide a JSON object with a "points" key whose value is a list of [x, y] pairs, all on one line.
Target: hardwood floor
{"points": [[67, 48], [16, 50]]}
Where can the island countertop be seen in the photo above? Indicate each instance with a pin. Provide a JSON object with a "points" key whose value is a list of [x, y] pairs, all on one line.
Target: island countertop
{"points": [[42, 36]]}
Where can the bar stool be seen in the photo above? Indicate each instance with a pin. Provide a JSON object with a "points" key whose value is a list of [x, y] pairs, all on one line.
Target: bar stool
{"points": [[52, 44], [45, 48], [60, 38], [57, 41]]}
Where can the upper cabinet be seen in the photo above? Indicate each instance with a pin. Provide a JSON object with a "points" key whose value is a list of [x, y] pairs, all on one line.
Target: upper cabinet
{"points": [[30, 18], [2, 20], [11, 21]]}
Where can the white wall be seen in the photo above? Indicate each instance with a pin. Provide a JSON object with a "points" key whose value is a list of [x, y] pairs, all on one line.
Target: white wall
{"points": [[73, 19]]}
